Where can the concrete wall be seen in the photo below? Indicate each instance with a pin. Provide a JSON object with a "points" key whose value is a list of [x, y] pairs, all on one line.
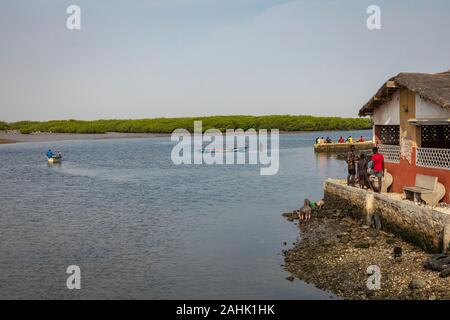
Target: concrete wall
{"points": [[388, 113], [422, 226], [426, 109]]}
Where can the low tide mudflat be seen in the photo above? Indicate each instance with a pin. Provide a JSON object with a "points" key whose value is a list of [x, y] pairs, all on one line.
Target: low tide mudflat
{"points": [[335, 251]]}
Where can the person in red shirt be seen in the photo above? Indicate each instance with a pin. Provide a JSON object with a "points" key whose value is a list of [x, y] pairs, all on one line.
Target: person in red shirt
{"points": [[378, 167], [341, 140]]}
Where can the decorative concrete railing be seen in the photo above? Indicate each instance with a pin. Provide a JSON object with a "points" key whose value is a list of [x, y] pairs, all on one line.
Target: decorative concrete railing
{"points": [[433, 158], [390, 153]]}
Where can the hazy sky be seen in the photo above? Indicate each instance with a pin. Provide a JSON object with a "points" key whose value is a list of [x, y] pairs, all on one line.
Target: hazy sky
{"points": [[136, 59]]}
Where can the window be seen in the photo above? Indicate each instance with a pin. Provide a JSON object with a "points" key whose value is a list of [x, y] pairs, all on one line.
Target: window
{"points": [[389, 135], [437, 136]]}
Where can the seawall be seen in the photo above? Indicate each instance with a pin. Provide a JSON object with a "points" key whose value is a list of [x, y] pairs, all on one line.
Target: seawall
{"points": [[422, 226]]}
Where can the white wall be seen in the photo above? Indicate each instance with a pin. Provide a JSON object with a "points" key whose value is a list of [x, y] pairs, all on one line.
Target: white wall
{"points": [[388, 113], [426, 109]]}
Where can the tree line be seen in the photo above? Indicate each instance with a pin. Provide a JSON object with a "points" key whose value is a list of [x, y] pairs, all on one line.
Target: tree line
{"points": [[168, 125]]}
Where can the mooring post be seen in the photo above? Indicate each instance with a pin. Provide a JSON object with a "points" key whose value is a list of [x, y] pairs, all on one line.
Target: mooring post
{"points": [[369, 208]]}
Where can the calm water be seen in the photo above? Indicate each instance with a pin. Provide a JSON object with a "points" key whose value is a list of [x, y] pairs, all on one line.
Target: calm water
{"points": [[140, 227]]}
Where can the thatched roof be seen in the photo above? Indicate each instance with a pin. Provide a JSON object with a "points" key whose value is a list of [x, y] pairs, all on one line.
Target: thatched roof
{"points": [[430, 87]]}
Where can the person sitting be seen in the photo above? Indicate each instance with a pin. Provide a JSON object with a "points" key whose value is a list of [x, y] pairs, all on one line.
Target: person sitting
{"points": [[304, 214], [341, 140], [50, 154], [328, 140], [361, 139], [317, 140], [350, 139]]}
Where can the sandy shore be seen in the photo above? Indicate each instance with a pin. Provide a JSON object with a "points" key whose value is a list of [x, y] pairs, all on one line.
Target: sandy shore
{"points": [[43, 137], [335, 251]]}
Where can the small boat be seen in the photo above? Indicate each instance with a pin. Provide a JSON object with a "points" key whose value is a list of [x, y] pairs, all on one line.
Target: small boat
{"points": [[55, 159], [223, 150]]}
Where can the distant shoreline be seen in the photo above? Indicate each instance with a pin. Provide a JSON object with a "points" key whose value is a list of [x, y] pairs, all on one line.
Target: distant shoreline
{"points": [[8, 138]]}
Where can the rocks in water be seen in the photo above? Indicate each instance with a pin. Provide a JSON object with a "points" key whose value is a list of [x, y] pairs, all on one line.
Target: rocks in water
{"points": [[397, 252], [417, 283], [290, 278], [290, 216]]}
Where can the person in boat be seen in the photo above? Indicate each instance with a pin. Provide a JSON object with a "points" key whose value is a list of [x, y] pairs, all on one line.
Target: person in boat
{"points": [[50, 154], [317, 140], [341, 140], [350, 139], [328, 140], [361, 139]]}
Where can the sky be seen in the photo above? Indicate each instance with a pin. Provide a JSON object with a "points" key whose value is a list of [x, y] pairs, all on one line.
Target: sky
{"points": [[170, 58]]}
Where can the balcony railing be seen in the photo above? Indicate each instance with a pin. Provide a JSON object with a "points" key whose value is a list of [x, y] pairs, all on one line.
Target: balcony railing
{"points": [[390, 153], [433, 158]]}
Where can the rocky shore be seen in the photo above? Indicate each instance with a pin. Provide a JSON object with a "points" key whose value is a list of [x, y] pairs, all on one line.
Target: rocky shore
{"points": [[334, 252]]}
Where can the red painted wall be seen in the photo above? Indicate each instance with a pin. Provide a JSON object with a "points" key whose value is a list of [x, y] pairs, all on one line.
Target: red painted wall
{"points": [[404, 174]]}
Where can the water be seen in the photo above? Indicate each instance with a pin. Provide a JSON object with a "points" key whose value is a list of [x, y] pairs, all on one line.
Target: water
{"points": [[140, 227]]}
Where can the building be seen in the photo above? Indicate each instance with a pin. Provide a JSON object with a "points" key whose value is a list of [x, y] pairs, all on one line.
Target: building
{"points": [[411, 126]]}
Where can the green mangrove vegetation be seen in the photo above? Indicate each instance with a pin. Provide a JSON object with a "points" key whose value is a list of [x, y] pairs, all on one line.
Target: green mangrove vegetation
{"points": [[3, 126], [168, 125]]}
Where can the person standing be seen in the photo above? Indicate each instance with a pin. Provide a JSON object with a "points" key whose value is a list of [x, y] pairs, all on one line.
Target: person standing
{"points": [[363, 175], [351, 163], [378, 167]]}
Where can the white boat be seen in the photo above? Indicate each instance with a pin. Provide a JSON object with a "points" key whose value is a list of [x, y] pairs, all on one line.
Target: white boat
{"points": [[55, 159], [223, 150]]}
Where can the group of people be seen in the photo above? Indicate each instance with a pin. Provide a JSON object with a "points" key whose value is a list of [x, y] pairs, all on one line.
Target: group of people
{"points": [[341, 140], [361, 167], [322, 140]]}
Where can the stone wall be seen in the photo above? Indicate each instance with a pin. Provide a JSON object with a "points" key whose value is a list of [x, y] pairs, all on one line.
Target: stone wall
{"points": [[425, 227]]}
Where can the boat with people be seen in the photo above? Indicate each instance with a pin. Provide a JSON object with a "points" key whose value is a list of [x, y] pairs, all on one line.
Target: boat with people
{"points": [[53, 157]]}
